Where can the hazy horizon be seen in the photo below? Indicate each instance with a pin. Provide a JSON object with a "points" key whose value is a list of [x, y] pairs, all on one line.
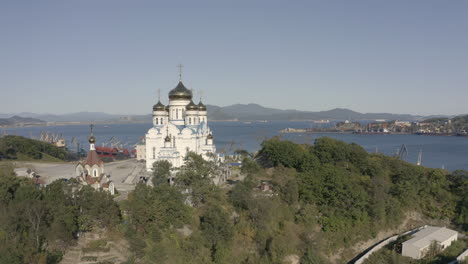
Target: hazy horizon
{"points": [[112, 56], [149, 113]]}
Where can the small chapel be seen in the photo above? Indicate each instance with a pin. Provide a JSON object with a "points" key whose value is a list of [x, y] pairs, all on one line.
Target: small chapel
{"points": [[179, 127], [91, 170]]}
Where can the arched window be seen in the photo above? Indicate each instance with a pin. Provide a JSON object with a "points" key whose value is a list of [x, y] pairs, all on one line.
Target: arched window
{"points": [[157, 121], [161, 120], [190, 121], [154, 152], [177, 113], [95, 172]]}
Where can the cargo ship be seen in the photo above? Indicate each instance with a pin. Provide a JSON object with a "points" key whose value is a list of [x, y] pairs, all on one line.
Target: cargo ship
{"points": [[434, 134]]}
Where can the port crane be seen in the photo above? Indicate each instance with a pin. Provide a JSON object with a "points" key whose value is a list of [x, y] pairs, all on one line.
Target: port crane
{"points": [[419, 158], [402, 152]]}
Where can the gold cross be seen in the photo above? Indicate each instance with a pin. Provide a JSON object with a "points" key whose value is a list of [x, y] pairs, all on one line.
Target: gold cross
{"points": [[180, 66]]}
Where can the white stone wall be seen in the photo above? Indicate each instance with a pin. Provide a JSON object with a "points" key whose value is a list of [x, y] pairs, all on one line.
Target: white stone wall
{"points": [[177, 111], [141, 152]]}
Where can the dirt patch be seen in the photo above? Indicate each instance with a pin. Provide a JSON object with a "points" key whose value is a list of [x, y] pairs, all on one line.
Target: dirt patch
{"points": [[99, 246]]}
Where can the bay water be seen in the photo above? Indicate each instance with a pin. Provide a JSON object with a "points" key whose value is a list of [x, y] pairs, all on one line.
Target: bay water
{"points": [[450, 153]]}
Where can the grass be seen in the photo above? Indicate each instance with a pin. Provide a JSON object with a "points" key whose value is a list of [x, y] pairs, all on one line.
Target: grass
{"points": [[45, 158], [96, 246]]}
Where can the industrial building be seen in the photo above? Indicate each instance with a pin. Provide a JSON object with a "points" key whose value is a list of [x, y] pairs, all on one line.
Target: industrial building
{"points": [[419, 245]]}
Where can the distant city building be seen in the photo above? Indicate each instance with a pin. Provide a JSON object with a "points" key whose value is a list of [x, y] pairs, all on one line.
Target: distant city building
{"points": [[402, 123], [418, 246], [91, 170], [178, 128]]}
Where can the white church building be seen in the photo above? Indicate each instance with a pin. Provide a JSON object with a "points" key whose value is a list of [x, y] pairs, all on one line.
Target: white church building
{"points": [[178, 128]]}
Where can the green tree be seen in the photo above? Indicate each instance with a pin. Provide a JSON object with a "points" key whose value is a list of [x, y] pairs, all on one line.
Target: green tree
{"points": [[161, 172], [217, 230], [196, 179]]}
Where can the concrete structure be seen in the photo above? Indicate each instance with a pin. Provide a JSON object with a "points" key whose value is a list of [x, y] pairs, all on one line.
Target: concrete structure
{"points": [[141, 150], [418, 246], [91, 170], [178, 128], [463, 256]]}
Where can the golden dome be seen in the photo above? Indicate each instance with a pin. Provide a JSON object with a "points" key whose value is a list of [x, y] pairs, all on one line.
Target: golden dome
{"points": [[180, 92]]}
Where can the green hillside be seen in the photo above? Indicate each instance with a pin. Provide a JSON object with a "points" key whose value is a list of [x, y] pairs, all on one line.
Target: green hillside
{"points": [[315, 204], [20, 148], [326, 198], [458, 122]]}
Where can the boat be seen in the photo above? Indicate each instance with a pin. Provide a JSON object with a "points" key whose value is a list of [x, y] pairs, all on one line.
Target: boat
{"points": [[293, 130], [321, 121], [434, 134], [383, 131], [462, 133]]}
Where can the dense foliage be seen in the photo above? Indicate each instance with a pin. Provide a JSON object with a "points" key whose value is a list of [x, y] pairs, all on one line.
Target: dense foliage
{"points": [[324, 197], [290, 202], [38, 224], [11, 146], [388, 254]]}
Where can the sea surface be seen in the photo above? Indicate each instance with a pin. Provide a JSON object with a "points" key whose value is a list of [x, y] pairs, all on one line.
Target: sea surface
{"points": [[450, 153]]}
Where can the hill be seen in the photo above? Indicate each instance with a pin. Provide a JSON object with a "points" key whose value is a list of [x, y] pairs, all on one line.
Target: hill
{"points": [[457, 123], [20, 148], [308, 203], [18, 120], [257, 112], [243, 112]]}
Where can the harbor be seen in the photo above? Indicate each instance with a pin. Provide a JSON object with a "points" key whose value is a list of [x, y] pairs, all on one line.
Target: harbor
{"points": [[438, 151], [430, 127]]}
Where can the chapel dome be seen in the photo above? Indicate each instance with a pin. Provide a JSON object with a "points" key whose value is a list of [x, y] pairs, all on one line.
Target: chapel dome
{"points": [[180, 92], [159, 107], [191, 106], [201, 106]]}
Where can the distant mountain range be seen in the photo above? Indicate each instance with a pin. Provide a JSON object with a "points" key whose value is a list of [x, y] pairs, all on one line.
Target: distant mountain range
{"points": [[18, 120], [246, 112], [72, 117], [242, 112]]}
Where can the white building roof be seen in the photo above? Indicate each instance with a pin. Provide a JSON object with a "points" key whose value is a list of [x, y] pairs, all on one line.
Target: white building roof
{"points": [[425, 237]]}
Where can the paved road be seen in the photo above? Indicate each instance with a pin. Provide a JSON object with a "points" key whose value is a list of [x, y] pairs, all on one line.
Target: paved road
{"points": [[125, 174]]}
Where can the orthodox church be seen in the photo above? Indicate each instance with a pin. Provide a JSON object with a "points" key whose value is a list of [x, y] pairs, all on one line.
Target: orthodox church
{"points": [[91, 170], [178, 128]]}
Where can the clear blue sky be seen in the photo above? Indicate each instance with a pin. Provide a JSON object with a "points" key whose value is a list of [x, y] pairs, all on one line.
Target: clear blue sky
{"points": [[112, 56]]}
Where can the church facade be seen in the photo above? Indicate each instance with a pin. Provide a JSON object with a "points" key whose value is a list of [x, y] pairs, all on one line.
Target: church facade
{"points": [[179, 127], [91, 170]]}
